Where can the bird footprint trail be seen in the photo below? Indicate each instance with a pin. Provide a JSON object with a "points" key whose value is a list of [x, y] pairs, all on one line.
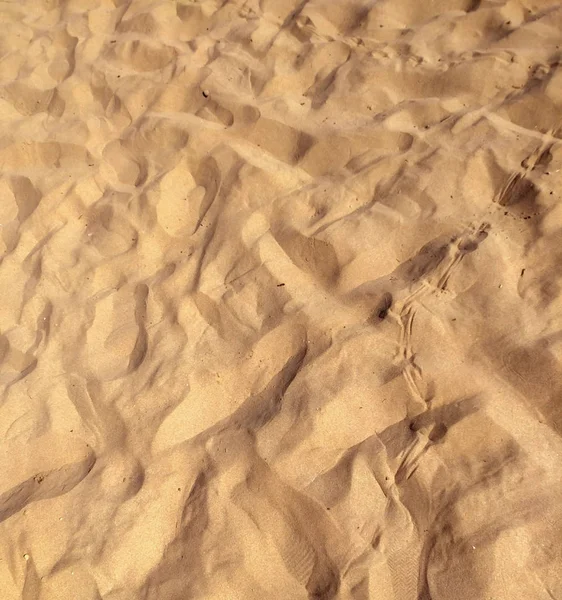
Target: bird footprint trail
{"points": [[431, 270]]}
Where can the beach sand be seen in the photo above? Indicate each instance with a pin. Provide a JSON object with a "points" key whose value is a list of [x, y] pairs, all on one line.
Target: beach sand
{"points": [[281, 300]]}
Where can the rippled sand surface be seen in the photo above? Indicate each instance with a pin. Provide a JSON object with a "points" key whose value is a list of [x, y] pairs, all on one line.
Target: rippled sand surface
{"points": [[281, 300]]}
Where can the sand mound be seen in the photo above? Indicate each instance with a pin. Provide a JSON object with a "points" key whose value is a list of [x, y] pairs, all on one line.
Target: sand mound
{"points": [[281, 307]]}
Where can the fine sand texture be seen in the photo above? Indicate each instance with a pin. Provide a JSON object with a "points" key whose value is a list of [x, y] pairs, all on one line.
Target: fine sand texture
{"points": [[281, 300]]}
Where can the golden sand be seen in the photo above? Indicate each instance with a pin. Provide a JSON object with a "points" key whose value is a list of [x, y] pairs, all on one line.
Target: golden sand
{"points": [[281, 300]]}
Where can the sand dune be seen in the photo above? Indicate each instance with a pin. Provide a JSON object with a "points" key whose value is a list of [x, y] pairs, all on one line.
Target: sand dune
{"points": [[281, 307]]}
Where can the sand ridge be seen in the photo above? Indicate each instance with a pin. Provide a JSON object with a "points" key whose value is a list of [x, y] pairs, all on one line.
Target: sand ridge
{"points": [[281, 301]]}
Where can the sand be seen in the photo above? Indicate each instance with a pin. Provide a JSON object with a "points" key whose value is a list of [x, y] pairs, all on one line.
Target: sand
{"points": [[281, 300]]}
